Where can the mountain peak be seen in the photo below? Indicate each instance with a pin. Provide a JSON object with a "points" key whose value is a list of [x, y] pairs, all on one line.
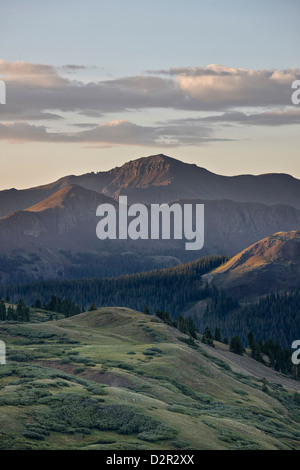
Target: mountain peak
{"points": [[65, 196], [160, 179], [273, 248], [153, 161]]}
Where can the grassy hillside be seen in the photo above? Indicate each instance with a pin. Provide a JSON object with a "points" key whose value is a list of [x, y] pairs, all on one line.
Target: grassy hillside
{"points": [[118, 379], [188, 289]]}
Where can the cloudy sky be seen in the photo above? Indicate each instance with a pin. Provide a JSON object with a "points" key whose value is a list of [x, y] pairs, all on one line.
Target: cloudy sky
{"points": [[93, 84]]}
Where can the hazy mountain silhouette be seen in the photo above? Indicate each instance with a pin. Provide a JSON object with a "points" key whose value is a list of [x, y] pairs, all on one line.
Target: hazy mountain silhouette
{"points": [[40, 224]]}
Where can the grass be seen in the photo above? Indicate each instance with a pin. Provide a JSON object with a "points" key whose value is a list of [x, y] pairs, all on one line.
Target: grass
{"points": [[101, 381]]}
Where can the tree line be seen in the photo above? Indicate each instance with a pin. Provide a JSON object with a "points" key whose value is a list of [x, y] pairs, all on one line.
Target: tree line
{"points": [[20, 312], [169, 289], [276, 315], [173, 290], [65, 306]]}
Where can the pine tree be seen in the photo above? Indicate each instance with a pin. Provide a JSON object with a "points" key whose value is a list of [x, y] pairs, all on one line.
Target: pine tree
{"points": [[256, 352], [218, 335], [2, 311], [207, 337], [236, 345], [251, 341], [10, 313], [22, 312], [147, 311]]}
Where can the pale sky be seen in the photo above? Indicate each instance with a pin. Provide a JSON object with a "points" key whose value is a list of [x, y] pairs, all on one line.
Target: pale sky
{"points": [[93, 84]]}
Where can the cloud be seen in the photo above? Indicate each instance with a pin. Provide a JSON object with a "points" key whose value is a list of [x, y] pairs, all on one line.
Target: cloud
{"points": [[22, 132], [239, 87], [28, 115], [218, 86], [87, 125], [37, 92], [213, 69], [91, 99], [33, 75], [112, 133], [38, 88], [74, 67], [268, 118]]}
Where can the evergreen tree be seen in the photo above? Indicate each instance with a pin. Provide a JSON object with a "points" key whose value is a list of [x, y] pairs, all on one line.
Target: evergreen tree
{"points": [[251, 339], [22, 312], [218, 335], [38, 304], [168, 289], [10, 313], [165, 317], [236, 345], [256, 352], [2, 311], [207, 337], [192, 329], [147, 311]]}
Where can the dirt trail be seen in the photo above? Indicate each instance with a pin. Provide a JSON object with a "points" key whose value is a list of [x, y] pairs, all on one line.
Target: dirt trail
{"points": [[107, 378]]}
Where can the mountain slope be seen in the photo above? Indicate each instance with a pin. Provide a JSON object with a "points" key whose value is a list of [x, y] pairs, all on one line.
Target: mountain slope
{"points": [[67, 219], [159, 178], [272, 264], [56, 238], [40, 225], [60, 221], [66, 222], [232, 226]]}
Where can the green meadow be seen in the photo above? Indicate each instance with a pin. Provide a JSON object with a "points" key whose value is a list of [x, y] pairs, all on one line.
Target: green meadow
{"points": [[115, 378]]}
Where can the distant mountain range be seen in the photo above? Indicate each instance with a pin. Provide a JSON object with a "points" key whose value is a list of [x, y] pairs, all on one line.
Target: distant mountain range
{"points": [[159, 178], [50, 231]]}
